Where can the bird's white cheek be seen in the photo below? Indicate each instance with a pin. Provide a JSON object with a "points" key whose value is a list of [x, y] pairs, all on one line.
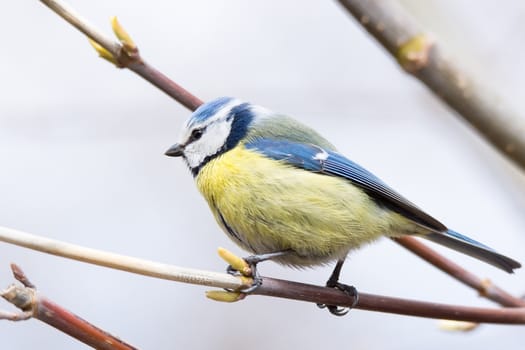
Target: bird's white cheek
{"points": [[215, 137], [208, 145], [193, 157]]}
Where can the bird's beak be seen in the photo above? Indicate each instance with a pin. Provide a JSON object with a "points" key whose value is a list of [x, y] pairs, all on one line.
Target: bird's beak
{"points": [[176, 150]]}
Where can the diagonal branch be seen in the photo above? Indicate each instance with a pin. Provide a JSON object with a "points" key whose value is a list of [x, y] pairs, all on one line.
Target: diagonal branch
{"points": [[426, 59], [35, 305], [77, 21], [119, 262], [484, 287], [124, 54]]}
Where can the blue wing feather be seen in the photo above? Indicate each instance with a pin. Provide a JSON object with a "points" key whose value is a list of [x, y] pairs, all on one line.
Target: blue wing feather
{"points": [[314, 158]]}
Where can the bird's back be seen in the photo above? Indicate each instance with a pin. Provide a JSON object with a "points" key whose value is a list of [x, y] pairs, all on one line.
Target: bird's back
{"points": [[282, 127]]}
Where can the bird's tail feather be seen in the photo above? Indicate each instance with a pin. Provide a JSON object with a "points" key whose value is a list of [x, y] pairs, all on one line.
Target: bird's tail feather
{"points": [[473, 248]]}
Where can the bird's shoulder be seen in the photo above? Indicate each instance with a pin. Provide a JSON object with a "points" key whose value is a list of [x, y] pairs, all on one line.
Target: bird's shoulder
{"points": [[285, 128]]}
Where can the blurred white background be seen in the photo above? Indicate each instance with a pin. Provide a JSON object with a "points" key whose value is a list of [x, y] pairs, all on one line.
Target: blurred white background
{"points": [[81, 148]]}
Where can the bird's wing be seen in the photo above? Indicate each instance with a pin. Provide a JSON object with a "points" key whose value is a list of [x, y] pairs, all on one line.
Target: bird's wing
{"points": [[314, 158]]}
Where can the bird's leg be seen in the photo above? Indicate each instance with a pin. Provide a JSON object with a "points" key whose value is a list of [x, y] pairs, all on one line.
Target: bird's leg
{"points": [[333, 282], [253, 260]]}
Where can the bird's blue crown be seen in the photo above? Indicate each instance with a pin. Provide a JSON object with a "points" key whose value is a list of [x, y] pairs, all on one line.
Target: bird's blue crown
{"points": [[209, 109], [229, 108]]}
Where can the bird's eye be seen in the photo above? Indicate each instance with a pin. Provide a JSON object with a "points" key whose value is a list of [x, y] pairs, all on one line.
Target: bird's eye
{"points": [[196, 134]]}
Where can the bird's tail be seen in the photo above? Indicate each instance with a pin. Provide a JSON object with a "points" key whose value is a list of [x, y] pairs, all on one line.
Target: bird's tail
{"points": [[473, 248]]}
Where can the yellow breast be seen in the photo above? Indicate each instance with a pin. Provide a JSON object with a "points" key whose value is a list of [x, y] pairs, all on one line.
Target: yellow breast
{"points": [[268, 206]]}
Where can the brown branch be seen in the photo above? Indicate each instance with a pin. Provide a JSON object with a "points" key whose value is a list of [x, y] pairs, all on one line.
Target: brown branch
{"points": [[426, 59], [124, 54], [328, 296], [35, 305], [484, 287], [174, 90]]}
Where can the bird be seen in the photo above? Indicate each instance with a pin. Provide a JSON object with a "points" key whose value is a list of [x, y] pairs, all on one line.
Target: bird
{"points": [[283, 192]]}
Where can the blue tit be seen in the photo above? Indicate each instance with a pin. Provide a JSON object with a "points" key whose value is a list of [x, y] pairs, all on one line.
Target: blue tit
{"points": [[280, 190]]}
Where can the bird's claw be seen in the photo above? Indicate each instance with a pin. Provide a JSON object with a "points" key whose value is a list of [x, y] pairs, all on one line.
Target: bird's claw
{"points": [[257, 282], [334, 309], [351, 291], [251, 260], [232, 271]]}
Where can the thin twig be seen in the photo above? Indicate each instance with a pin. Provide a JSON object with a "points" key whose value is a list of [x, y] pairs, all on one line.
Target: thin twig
{"points": [[167, 85], [426, 59], [484, 287], [77, 21], [270, 286], [14, 316], [35, 305], [117, 261], [21, 277], [125, 56]]}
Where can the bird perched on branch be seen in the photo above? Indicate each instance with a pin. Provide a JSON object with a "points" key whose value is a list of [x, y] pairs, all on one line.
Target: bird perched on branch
{"points": [[283, 192]]}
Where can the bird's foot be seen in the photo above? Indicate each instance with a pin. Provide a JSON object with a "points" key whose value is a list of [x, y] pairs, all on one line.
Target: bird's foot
{"points": [[351, 291], [252, 262]]}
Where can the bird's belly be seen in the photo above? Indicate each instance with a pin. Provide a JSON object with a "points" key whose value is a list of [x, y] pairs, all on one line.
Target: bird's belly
{"points": [[267, 206]]}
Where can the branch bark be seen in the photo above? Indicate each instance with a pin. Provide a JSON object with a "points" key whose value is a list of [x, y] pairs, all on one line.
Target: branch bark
{"points": [[124, 55], [328, 296], [484, 287], [270, 287], [35, 305], [117, 261], [426, 59]]}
